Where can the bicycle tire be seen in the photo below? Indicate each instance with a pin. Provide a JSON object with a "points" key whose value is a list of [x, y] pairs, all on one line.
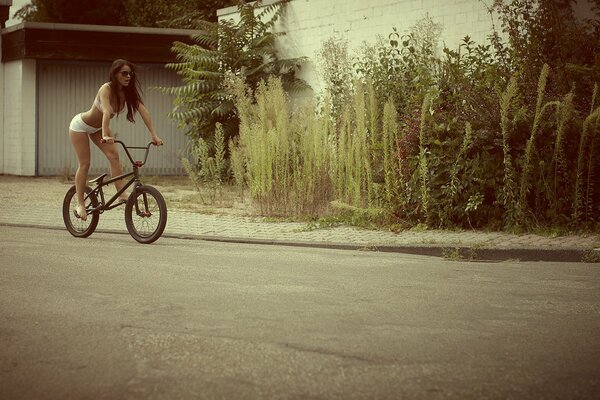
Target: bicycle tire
{"points": [[76, 226], [146, 214]]}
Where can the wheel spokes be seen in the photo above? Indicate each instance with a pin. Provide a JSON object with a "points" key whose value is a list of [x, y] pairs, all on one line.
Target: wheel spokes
{"points": [[145, 219]]}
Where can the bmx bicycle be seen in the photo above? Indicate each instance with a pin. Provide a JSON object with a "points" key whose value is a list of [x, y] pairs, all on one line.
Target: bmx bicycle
{"points": [[145, 209]]}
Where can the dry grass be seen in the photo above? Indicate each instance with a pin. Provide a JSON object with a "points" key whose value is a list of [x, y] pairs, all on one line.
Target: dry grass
{"points": [[180, 193]]}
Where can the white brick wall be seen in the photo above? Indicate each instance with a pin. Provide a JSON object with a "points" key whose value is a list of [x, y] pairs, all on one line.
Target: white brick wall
{"points": [[19, 118], [308, 23]]}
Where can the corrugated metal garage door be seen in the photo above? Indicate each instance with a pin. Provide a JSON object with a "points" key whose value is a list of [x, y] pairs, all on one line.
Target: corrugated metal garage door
{"points": [[66, 89]]}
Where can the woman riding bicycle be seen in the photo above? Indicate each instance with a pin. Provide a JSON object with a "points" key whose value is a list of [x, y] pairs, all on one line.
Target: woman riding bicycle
{"points": [[121, 90]]}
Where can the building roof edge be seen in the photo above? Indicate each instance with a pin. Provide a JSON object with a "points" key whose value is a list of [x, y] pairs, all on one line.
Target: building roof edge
{"points": [[98, 28]]}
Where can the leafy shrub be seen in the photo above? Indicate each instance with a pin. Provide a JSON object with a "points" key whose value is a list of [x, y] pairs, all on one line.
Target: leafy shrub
{"points": [[471, 137], [245, 48]]}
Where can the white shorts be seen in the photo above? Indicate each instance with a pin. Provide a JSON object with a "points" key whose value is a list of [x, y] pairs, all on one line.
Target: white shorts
{"points": [[77, 125]]}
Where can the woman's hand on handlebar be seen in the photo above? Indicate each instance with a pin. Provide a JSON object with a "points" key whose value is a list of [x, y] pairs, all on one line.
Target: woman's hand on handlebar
{"points": [[157, 141], [107, 139]]}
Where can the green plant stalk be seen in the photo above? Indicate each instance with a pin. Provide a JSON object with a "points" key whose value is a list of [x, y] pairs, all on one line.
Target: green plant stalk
{"points": [[374, 137], [467, 140], [237, 165], [591, 175], [581, 161], [362, 158], [564, 115], [314, 158], [457, 166], [219, 160], [390, 133], [357, 143], [423, 168], [529, 148], [189, 169], [371, 135], [373, 109], [339, 158], [348, 158], [509, 189]]}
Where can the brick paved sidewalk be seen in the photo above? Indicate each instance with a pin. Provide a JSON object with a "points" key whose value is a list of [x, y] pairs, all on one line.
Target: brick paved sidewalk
{"points": [[38, 201]]}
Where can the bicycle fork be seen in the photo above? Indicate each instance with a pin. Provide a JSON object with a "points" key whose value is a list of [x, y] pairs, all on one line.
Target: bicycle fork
{"points": [[145, 213]]}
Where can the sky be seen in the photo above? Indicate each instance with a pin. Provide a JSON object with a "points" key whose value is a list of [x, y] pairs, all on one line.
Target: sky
{"points": [[17, 4]]}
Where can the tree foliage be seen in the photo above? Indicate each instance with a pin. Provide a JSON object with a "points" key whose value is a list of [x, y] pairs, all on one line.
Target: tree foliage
{"points": [[552, 32], [109, 12], [149, 13], [173, 14], [245, 48]]}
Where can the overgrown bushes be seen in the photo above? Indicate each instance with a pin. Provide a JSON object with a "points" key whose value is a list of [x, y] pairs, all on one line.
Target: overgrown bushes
{"points": [[284, 156], [410, 135]]}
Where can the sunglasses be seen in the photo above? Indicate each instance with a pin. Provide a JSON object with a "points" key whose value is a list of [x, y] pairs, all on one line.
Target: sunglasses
{"points": [[126, 73]]}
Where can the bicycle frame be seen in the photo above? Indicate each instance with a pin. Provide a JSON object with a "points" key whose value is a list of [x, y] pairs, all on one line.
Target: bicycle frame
{"points": [[135, 180]]}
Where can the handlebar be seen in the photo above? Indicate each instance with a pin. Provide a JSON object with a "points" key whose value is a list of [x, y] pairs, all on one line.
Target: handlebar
{"points": [[126, 148]]}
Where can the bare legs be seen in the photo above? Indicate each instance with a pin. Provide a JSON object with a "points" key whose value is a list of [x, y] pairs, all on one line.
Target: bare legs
{"points": [[111, 153], [81, 145]]}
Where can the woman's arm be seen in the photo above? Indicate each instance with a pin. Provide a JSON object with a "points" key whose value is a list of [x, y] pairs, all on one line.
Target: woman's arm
{"points": [[148, 121]]}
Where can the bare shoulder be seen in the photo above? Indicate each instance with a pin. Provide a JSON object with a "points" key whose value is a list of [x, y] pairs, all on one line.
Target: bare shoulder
{"points": [[104, 89]]}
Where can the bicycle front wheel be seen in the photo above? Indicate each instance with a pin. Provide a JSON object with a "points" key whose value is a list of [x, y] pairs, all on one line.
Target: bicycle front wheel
{"points": [[75, 225], [145, 214]]}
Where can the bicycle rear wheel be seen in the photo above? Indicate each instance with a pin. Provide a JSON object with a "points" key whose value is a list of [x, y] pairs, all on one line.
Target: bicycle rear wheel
{"points": [[75, 225], [145, 214]]}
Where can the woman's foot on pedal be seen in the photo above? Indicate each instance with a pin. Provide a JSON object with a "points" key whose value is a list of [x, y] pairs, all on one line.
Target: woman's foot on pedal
{"points": [[123, 198], [81, 212]]}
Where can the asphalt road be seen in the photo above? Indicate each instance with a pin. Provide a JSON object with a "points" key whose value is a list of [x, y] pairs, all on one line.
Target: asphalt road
{"points": [[107, 318]]}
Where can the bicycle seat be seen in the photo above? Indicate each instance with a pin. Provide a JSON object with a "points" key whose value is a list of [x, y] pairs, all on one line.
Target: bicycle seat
{"points": [[98, 180]]}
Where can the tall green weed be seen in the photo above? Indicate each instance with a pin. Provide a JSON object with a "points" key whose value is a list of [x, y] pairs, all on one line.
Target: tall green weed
{"points": [[282, 154], [419, 137]]}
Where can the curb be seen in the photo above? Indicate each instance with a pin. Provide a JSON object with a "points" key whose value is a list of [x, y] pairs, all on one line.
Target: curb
{"points": [[447, 251], [451, 253]]}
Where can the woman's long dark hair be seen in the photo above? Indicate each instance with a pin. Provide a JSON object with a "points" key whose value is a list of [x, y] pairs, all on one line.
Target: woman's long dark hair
{"points": [[132, 91]]}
